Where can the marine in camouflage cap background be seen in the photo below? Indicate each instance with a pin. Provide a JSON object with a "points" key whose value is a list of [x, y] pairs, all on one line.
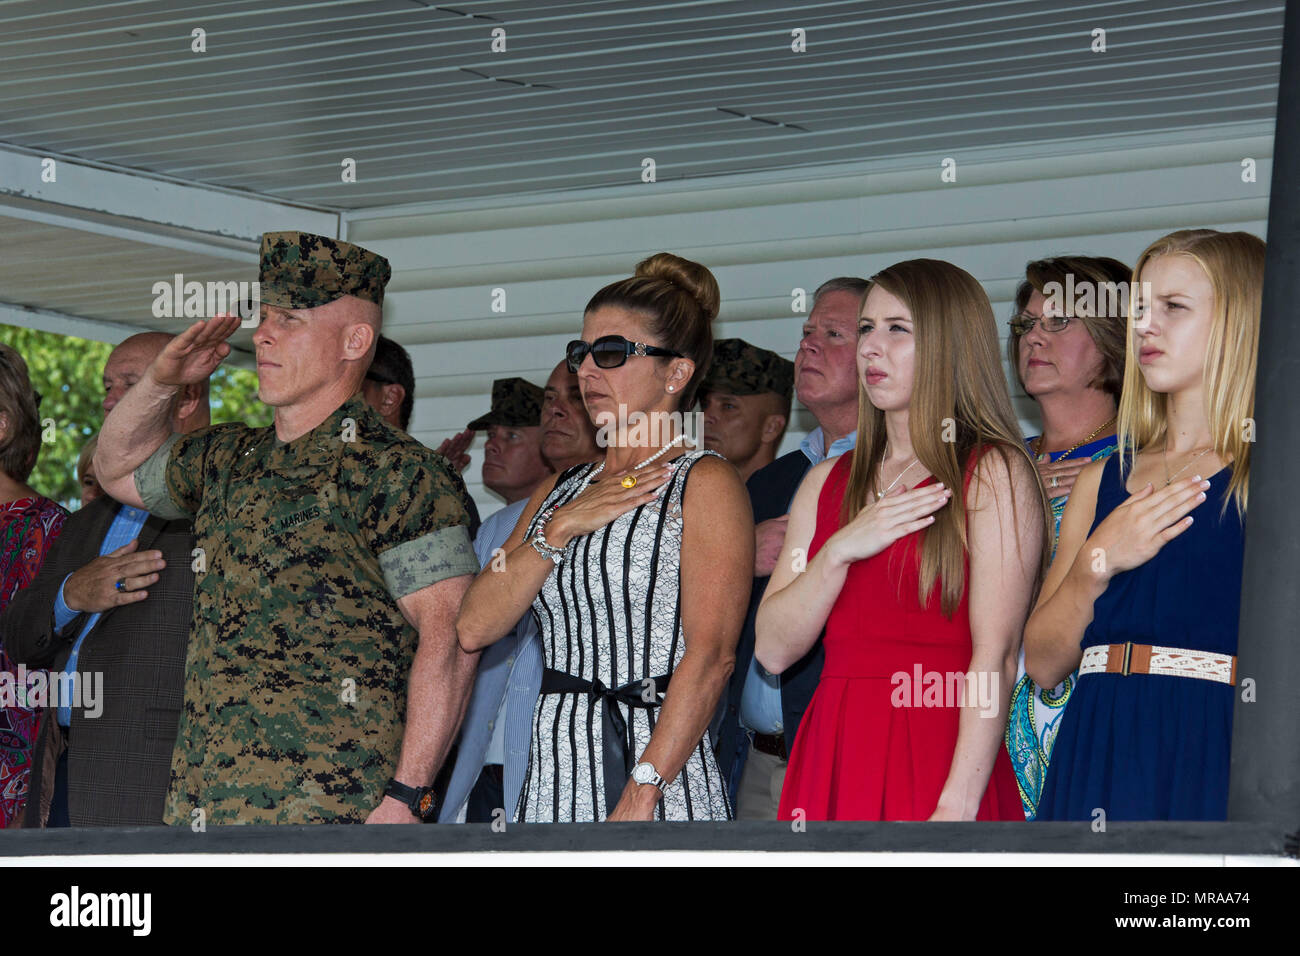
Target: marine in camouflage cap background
{"points": [[740, 368], [515, 401], [512, 457], [389, 387], [301, 270], [745, 399], [389, 384]]}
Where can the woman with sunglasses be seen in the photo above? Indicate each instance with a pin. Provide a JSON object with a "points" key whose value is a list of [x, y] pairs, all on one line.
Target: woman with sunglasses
{"points": [[1068, 357], [1144, 598], [639, 579], [924, 548]]}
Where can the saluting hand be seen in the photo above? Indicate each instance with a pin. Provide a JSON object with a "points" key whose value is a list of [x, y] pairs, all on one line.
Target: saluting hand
{"points": [[454, 449], [602, 501], [93, 588], [1136, 530], [194, 355], [885, 520]]}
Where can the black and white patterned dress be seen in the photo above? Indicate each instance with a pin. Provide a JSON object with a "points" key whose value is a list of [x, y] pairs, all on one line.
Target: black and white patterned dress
{"points": [[610, 617]]}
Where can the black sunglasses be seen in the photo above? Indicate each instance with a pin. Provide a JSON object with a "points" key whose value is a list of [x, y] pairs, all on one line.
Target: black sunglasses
{"points": [[610, 351]]}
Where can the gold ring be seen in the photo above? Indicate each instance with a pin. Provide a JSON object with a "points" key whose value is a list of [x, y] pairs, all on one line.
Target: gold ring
{"points": [[629, 481]]}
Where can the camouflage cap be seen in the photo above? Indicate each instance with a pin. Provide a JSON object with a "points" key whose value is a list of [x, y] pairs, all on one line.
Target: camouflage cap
{"points": [[514, 402], [300, 270], [739, 368]]}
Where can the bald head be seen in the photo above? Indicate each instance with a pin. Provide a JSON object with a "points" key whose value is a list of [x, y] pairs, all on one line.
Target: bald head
{"points": [[128, 361], [145, 345], [568, 435]]}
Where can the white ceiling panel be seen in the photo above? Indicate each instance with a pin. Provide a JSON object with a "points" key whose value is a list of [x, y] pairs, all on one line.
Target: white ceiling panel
{"points": [[584, 91]]}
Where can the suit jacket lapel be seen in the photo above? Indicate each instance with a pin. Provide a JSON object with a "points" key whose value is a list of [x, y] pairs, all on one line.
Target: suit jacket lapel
{"points": [[153, 527], [102, 511]]}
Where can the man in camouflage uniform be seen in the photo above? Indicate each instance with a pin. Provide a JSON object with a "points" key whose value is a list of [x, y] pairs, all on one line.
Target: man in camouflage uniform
{"points": [[513, 465], [323, 659], [745, 399]]}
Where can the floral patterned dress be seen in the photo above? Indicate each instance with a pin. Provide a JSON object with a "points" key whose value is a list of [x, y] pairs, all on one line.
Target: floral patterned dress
{"points": [[28, 528]]}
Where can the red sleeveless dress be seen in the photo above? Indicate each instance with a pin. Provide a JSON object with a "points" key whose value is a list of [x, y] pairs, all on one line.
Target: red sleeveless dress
{"points": [[878, 738]]}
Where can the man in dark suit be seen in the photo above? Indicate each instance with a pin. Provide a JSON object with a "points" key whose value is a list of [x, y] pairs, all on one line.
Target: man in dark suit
{"points": [[111, 605], [763, 710]]}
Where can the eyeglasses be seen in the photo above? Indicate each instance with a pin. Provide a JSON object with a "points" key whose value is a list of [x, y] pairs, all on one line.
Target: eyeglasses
{"points": [[1023, 323], [610, 351]]}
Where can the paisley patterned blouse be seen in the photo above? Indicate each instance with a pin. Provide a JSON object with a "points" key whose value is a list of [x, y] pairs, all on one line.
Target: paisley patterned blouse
{"points": [[1035, 714], [28, 527]]}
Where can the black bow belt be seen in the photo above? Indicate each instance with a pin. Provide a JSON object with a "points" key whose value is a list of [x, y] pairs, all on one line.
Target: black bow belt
{"points": [[617, 743]]}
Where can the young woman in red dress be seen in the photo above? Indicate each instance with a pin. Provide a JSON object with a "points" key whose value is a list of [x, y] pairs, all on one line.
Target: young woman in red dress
{"points": [[923, 593]]}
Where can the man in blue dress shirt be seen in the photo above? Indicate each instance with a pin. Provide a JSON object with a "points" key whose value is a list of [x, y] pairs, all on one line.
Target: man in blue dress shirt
{"points": [[493, 754], [763, 710], [111, 605]]}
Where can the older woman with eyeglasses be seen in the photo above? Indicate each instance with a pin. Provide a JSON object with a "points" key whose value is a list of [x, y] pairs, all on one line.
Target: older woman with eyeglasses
{"points": [[1067, 347], [639, 579], [29, 524]]}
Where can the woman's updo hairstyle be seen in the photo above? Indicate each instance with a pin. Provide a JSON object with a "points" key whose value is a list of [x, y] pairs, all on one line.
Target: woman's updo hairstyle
{"points": [[680, 300]]}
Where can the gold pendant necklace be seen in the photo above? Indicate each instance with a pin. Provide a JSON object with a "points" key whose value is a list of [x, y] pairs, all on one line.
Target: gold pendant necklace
{"points": [[1038, 442]]}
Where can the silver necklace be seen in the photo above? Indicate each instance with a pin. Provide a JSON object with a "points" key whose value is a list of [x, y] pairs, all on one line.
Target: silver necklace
{"points": [[1168, 478], [601, 467], [881, 494]]}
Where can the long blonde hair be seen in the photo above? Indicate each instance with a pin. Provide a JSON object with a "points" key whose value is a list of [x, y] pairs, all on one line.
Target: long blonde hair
{"points": [[1234, 264], [960, 402]]}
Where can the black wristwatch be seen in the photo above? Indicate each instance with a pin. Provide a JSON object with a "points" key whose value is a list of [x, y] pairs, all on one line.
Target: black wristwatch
{"points": [[421, 800]]}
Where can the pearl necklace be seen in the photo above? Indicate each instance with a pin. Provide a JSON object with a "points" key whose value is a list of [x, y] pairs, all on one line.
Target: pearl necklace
{"points": [[601, 467]]}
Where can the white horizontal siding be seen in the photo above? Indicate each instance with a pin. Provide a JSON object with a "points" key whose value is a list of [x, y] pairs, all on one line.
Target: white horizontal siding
{"points": [[763, 236]]}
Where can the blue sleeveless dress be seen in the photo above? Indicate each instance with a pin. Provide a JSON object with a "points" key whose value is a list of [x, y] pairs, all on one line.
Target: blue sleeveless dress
{"points": [[1151, 747]]}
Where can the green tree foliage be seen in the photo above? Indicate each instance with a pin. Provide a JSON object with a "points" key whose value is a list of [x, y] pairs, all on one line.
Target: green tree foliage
{"points": [[234, 398], [68, 372]]}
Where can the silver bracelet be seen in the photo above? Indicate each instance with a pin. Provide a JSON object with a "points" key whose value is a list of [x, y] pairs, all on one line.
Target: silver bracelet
{"points": [[538, 541], [545, 550]]}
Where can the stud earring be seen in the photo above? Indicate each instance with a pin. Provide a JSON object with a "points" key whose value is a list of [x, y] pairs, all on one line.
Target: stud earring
{"points": [[670, 388]]}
